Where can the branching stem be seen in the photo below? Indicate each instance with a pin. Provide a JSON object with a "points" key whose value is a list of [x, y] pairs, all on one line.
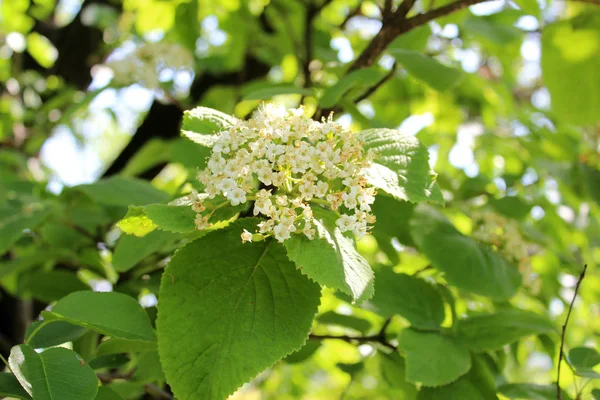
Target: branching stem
{"points": [[564, 331]]}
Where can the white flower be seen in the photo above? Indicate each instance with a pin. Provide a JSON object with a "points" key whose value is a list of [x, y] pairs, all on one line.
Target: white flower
{"points": [[346, 222], [237, 196], [304, 163], [246, 236]]}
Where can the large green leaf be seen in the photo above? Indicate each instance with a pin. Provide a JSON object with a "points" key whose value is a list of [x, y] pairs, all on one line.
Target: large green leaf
{"points": [[116, 346], [583, 360], [570, 57], [172, 218], [54, 374], [123, 191], [358, 78], [106, 393], [433, 359], [393, 371], [130, 250], [530, 391], [205, 121], [583, 357], [10, 387], [52, 334], [393, 218], [14, 222], [427, 69], [136, 222], [229, 310], [331, 258], [478, 384], [110, 313], [49, 286], [413, 298], [466, 263], [401, 167], [493, 331]]}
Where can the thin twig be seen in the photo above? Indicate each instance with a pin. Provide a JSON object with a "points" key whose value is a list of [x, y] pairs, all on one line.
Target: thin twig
{"points": [[359, 339], [312, 12], [374, 88], [378, 338], [564, 331], [354, 13], [157, 392], [384, 327]]}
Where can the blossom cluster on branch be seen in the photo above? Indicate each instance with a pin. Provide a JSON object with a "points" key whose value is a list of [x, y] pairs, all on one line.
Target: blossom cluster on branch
{"points": [[147, 61], [503, 234], [287, 164]]}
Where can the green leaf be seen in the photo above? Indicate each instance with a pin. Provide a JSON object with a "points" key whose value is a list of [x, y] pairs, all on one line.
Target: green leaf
{"points": [[530, 391], [569, 57], [130, 250], [466, 263], [596, 394], [49, 286], [461, 389], [433, 359], [393, 218], [304, 353], [10, 387], [15, 222], [154, 152], [393, 371], [258, 306], [178, 219], [583, 358], [188, 154], [54, 374], [52, 334], [136, 222], [416, 39], [149, 368], [493, 331], [413, 298], [108, 361], [115, 346], [106, 393], [345, 321], [41, 49], [512, 207], [477, 384], [110, 313], [351, 369], [427, 69], [331, 258], [206, 121], [270, 90], [187, 26], [493, 31], [358, 78], [123, 191], [401, 168]]}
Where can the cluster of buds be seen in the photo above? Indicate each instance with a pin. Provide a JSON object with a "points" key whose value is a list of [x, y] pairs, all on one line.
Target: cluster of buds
{"points": [[147, 61], [503, 234], [287, 164]]}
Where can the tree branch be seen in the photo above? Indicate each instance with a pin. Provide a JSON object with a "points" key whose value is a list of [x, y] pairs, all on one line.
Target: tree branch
{"points": [[374, 88], [379, 338], [564, 331]]}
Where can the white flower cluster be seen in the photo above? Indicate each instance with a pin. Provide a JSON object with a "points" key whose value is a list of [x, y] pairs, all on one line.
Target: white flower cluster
{"points": [[503, 234], [287, 164], [147, 61]]}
